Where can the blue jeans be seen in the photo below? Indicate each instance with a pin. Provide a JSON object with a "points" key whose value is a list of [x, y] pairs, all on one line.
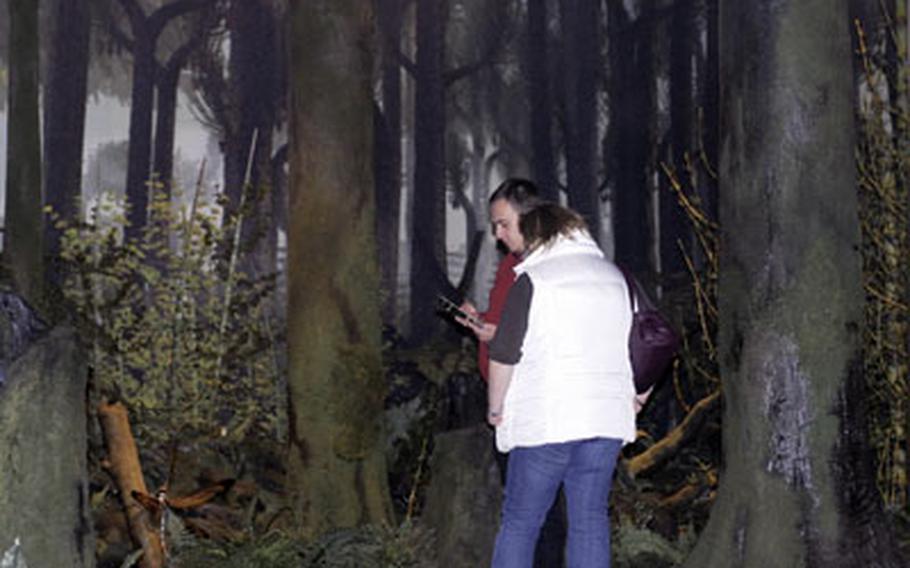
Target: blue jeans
{"points": [[585, 469]]}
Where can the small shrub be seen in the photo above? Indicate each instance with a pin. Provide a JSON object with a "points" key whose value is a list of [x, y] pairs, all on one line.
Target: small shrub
{"points": [[176, 331]]}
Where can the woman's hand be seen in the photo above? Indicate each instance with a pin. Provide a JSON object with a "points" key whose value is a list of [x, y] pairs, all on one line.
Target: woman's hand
{"points": [[642, 399], [500, 378], [484, 331]]}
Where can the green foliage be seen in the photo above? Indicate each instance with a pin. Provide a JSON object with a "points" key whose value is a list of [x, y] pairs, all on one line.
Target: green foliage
{"points": [[405, 546], [883, 164], [636, 546], [177, 334]]}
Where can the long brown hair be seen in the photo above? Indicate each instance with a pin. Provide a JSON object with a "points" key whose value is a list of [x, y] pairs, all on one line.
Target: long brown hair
{"points": [[543, 223]]}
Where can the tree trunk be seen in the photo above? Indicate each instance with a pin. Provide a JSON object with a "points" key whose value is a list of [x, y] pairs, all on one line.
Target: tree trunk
{"points": [[146, 30], [580, 22], [165, 125], [797, 489], [64, 124], [631, 106], [428, 265], [168, 83], [710, 110], [537, 70], [336, 387], [140, 142], [674, 228], [388, 156], [23, 234], [252, 81]]}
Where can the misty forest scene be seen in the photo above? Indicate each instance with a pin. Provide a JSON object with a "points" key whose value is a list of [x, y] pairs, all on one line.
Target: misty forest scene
{"points": [[227, 226]]}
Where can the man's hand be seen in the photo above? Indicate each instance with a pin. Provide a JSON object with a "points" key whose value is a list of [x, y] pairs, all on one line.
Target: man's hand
{"points": [[484, 331]]}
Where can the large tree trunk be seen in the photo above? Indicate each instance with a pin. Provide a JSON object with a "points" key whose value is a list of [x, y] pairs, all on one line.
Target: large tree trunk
{"points": [[253, 76], [674, 228], [796, 489], [64, 122], [537, 70], [631, 111], [428, 252], [388, 156], [335, 377], [580, 23], [23, 234]]}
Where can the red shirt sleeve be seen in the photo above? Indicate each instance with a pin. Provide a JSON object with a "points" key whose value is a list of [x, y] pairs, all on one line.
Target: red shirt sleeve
{"points": [[505, 277]]}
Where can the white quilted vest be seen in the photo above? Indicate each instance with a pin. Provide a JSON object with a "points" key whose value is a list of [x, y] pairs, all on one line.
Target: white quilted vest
{"points": [[574, 379]]}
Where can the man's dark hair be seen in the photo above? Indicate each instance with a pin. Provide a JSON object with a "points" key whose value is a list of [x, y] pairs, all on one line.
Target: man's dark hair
{"points": [[520, 193]]}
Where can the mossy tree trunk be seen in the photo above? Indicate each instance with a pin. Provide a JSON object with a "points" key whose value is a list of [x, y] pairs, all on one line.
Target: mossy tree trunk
{"points": [[23, 231], [336, 390], [796, 489]]}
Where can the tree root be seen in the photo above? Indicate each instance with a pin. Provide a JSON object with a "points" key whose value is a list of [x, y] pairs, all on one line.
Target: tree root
{"points": [[668, 446]]}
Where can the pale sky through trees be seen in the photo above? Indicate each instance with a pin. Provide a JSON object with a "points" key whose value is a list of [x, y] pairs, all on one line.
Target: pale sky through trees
{"points": [[107, 120]]}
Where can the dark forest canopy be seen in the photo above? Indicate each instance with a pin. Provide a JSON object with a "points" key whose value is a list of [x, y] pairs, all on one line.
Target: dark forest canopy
{"points": [[247, 210]]}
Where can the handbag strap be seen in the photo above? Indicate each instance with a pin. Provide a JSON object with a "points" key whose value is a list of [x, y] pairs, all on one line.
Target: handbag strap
{"points": [[631, 285]]}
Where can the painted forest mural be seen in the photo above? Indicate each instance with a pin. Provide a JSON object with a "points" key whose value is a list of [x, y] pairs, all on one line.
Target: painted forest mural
{"points": [[227, 226]]}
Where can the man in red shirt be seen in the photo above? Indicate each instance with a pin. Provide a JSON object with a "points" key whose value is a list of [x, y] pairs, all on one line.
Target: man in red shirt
{"points": [[511, 199]]}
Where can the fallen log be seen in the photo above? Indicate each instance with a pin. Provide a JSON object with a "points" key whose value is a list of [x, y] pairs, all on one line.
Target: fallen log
{"points": [[123, 459]]}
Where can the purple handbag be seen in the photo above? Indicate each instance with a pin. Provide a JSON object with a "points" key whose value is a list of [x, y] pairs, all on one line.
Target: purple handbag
{"points": [[652, 342]]}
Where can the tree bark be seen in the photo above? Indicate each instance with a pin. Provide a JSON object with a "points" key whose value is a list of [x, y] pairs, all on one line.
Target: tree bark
{"points": [[710, 105], [580, 22], [64, 124], [797, 489], [23, 251], [631, 111], [674, 228], [253, 85], [428, 252], [140, 133], [543, 163], [388, 156], [336, 387]]}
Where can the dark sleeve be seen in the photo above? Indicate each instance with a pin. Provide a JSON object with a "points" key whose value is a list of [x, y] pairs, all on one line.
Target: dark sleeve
{"points": [[505, 347]]}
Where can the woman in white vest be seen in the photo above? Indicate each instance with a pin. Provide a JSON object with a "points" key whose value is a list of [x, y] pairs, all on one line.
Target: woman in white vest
{"points": [[561, 394]]}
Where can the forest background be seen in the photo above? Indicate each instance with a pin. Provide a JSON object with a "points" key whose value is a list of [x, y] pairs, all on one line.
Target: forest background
{"points": [[246, 208]]}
